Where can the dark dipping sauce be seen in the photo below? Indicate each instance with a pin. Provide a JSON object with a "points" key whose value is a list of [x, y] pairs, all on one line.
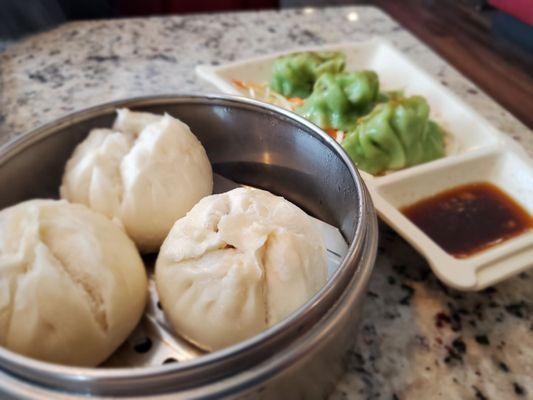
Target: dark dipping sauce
{"points": [[469, 218]]}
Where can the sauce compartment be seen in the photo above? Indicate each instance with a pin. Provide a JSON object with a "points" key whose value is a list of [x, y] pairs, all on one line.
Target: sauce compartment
{"points": [[469, 218], [509, 172]]}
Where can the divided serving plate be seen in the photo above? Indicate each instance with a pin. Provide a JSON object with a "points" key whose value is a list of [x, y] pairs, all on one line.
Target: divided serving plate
{"points": [[475, 152]]}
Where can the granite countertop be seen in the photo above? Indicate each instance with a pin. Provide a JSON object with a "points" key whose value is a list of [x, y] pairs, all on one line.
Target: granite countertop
{"points": [[417, 339]]}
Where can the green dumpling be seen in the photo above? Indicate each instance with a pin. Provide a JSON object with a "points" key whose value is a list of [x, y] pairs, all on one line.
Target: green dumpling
{"points": [[395, 135], [338, 100], [295, 74]]}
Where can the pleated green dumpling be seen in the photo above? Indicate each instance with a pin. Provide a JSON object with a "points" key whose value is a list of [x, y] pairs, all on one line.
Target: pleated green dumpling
{"points": [[395, 135], [338, 100], [295, 74]]}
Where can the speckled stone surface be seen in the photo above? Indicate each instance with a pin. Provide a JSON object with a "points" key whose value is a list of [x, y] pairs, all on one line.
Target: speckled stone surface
{"points": [[417, 339]]}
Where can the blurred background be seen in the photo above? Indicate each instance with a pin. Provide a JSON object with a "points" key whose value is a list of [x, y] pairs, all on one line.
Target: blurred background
{"points": [[503, 25], [510, 21], [490, 41]]}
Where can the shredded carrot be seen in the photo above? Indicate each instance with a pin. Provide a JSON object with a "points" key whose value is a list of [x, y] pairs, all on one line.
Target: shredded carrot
{"points": [[331, 132], [239, 83], [296, 100], [262, 92]]}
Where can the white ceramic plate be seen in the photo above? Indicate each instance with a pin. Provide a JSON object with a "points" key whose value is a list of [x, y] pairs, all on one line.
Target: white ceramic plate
{"points": [[476, 152]]}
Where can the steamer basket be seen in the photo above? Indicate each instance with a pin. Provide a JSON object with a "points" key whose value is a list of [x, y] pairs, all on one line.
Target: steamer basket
{"points": [[251, 143]]}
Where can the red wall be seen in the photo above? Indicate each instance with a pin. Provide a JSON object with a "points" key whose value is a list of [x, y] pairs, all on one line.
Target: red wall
{"points": [[520, 9]]}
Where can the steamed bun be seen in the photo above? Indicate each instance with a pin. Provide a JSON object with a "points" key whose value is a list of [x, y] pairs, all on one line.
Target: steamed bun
{"points": [[146, 172], [72, 284], [236, 264]]}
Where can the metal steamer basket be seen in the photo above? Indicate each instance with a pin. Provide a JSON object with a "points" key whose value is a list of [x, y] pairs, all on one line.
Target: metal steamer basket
{"points": [[250, 143]]}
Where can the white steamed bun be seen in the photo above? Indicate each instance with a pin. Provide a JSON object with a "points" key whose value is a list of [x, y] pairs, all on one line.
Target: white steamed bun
{"points": [[146, 172], [72, 284], [236, 264]]}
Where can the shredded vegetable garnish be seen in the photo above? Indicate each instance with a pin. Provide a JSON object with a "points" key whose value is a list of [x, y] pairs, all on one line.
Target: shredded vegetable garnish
{"points": [[331, 132], [262, 92], [297, 101], [338, 135]]}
